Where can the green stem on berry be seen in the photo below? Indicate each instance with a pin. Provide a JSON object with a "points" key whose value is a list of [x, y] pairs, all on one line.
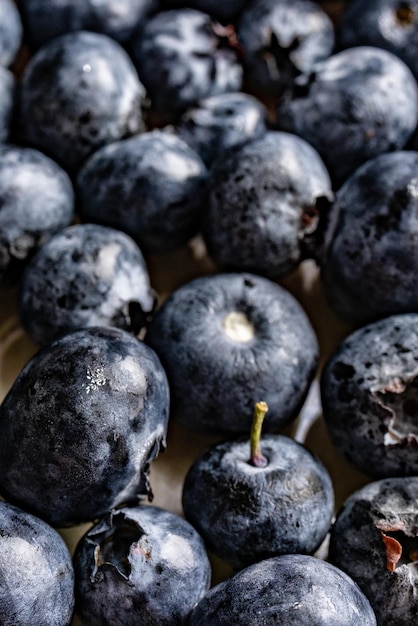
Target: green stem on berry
{"points": [[257, 458]]}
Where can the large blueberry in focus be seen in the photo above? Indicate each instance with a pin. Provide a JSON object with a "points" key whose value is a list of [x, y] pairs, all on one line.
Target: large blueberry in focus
{"points": [[7, 102], [81, 424], [140, 565], [11, 32], [369, 389], [79, 92], [375, 541], [294, 589], [370, 257], [183, 55], [46, 20], [85, 275], [281, 39], [36, 572], [228, 340], [247, 513], [149, 186], [265, 200], [36, 201], [355, 105]]}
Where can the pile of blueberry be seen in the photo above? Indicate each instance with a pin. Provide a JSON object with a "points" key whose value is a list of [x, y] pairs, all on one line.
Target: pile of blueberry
{"points": [[273, 133]]}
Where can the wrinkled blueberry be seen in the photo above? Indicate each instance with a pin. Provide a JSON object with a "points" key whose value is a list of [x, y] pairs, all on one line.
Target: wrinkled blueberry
{"points": [[355, 105], [370, 257], [36, 572], [140, 565], [86, 275], [149, 186], [222, 122], [36, 201], [11, 32], [264, 204], [183, 55], [228, 340], [7, 102], [375, 541], [81, 424], [79, 92], [369, 389], [281, 39], [46, 20], [247, 513], [294, 589], [226, 11]]}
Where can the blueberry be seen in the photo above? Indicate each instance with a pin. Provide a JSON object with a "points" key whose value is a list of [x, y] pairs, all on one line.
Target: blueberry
{"points": [[7, 103], [295, 590], [81, 424], [264, 204], [46, 20], [219, 123], [85, 275], [369, 388], [36, 572], [370, 256], [11, 32], [228, 340], [374, 540], [183, 55], [149, 186], [226, 12], [281, 39], [250, 503], [79, 92], [36, 201], [140, 565], [355, 105]]}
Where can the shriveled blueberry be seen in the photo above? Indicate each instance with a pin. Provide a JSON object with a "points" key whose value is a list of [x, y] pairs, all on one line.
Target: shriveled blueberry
{"points": [[355, 105], [370, 257], [85, 275], [375, 541], [11, 32], [183, 55], [228, 340], [140, 565], [36, 571], [46, 20], [369, 389], [81, 424], [36, 201], [7, 102], [264, 204], [293, 589], [222, 122], [281, 39], [254, 502], [79, 92], [226, 11], [149, 186]]}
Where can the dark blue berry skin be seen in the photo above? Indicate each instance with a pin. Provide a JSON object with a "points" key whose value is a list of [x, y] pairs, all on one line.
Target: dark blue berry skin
{"points": [[355, 105], [370, 254], [246, 513], [228, 340], [374, 540], [85, 275], [46, 20], [264, 204], [369, 397], [79, 92], [81, 424], [11, 32], [149, 186], [294, 589], [222, 122], [226, 11], [36, 201], [7, 102], [36, 571], [140, 565], [183, 55], [281, 39]]}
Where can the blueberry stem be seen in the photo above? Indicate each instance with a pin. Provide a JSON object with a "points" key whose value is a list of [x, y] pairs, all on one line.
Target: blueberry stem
{"points": [[257, 458]]}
